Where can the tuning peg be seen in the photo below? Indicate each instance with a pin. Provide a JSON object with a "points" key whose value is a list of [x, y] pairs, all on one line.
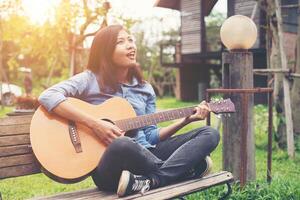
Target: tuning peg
{"points": [[219, 116], [226, 115]]}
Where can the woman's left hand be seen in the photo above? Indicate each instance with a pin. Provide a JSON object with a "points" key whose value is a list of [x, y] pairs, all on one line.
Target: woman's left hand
{"points": [[201, 112]]}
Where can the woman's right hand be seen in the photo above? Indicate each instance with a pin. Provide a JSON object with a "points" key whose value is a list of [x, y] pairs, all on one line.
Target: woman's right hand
{"points": [[106, 131]]}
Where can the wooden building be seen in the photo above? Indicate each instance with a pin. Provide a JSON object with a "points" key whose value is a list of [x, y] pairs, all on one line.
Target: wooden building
{"points": [[194, 60]]}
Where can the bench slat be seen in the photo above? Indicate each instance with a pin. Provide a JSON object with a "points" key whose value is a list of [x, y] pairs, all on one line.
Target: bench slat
{"points": [[16, 160], [14, 120], [14, 140], [80, 194], [20, 170], [100, 195], [160, 193], [15, 150], [14, 129]]}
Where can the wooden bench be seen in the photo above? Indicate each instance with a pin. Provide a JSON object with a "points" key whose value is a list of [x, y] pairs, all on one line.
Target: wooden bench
{"points": [[17, 159]]}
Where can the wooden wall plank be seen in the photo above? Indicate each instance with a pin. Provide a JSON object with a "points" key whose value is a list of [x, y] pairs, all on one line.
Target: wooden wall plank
{"points": [[15, 150], [14, 140], [14, 129], [190, 26], [10, 161], [20, 170], [13, 120]]}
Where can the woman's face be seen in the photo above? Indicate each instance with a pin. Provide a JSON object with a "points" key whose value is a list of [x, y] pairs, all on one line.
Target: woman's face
{"points": [[125, 51]]}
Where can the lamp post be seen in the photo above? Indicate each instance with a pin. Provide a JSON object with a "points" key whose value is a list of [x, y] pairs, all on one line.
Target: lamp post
{"points": [[238, 33]]}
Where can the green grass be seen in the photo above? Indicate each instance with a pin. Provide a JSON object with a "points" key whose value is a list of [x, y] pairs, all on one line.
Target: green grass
{"points": [[285, 172], [4, 110]]}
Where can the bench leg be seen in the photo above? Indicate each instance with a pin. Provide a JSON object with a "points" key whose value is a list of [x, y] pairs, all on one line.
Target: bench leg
{"points": [[229, 190]]}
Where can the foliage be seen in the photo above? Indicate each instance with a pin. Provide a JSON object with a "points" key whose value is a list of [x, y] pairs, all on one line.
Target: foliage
{"points": [[213, 24], [46, 48], [161, 78], [279, 189], [261, 126]]}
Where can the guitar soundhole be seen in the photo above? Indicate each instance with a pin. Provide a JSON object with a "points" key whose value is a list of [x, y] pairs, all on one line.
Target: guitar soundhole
{"points": [[108, 120]]}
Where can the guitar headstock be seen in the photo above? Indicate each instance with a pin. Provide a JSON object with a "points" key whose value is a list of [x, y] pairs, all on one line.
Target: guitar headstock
{"points": [[222, 106]]}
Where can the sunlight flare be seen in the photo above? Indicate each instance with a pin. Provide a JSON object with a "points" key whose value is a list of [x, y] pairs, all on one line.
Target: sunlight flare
{"points": [[38, 11]]}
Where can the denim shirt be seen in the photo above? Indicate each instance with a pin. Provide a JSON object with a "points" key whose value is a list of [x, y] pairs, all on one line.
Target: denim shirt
{"points": [[84, 86]]}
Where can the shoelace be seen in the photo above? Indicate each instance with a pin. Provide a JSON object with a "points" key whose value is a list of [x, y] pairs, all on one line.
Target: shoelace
{"points": [[141, 185]]}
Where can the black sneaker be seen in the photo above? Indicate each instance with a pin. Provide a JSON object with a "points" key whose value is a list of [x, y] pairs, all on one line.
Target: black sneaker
{"points": [[203, 168], [130, 183]]}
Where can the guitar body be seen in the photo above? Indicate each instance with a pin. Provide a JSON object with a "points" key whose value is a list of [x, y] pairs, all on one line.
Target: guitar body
{"points": [[52, 146]]}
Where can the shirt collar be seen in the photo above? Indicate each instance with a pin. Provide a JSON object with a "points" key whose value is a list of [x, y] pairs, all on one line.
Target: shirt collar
{"points": [[133, 83]]}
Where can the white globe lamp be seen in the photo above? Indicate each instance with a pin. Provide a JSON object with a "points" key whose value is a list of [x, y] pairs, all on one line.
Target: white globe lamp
{"points": [[238, 32]]}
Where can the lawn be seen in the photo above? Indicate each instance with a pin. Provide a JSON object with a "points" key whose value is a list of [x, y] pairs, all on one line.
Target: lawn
{"points": [[285, 172]]}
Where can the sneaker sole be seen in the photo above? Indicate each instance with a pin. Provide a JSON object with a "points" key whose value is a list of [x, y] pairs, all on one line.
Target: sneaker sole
{"points": [[209, 166], [123, 182]]}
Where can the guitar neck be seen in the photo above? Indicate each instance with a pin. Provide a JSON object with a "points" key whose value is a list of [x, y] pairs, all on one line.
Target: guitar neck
{"points": [[154, 118]]}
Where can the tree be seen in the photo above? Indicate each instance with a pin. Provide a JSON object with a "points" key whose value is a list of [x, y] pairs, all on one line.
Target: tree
{"points": [[162, 78], [295, 97], [6, 7], [213, 23], [276, 62], [47, 48]]}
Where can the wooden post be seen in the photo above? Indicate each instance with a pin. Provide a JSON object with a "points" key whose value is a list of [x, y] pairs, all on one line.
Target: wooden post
{"points": [[237, 73], [72, 56], [286, 87]]}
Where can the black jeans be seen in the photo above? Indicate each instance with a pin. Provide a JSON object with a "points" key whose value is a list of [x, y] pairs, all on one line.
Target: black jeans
{"points": [[166, 163]]}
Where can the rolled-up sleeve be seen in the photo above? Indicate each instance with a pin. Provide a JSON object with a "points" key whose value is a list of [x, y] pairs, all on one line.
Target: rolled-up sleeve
{"points": [[73, 87], [151, 132]]}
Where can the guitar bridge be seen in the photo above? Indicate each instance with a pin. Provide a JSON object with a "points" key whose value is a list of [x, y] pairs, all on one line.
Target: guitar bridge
{"points": [[75, 139]]}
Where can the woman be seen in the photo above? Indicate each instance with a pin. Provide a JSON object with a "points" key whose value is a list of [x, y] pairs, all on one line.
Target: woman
{"points": [[143, 159]]}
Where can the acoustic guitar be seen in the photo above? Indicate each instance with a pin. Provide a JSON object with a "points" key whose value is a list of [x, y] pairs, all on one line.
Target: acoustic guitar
{"points": [[69, 151]]}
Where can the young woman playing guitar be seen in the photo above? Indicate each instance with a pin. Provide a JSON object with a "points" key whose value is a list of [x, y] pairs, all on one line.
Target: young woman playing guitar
{"points": [[143, 159]]}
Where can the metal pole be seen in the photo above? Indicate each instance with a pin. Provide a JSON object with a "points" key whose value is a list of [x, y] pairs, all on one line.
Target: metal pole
{"points": [[208, 117], [243, 155], [270, 127]]}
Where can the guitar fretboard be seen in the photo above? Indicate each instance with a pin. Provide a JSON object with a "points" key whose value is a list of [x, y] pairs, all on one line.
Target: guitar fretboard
{"points": [[155, 118]]}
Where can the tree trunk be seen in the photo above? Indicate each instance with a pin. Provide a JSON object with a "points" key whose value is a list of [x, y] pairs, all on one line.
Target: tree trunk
{"points": [[73, 56], [1, 67], [286, 86], [275, 63], [295, 97]]}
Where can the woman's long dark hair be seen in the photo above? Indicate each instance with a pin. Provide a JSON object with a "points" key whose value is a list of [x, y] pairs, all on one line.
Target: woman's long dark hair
{"points": [[100, 58]]}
